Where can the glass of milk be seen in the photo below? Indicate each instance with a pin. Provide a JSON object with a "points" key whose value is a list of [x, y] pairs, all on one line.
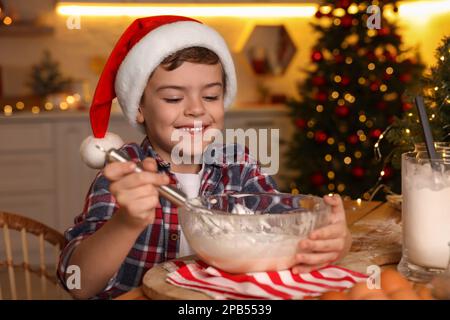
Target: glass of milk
{"points": [[425, 215]]}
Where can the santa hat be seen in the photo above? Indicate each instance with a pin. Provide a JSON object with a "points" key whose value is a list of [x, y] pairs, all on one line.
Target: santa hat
{"points": [[139, 51]]}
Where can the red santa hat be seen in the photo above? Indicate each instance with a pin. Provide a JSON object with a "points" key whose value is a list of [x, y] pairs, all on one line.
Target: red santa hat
{"points": [[139, 51]]}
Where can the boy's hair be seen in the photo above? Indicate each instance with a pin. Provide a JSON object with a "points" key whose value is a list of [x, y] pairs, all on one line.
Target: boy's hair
{"points": [[195, 55]]}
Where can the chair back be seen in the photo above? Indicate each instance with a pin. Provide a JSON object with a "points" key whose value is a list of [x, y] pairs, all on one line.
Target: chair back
{"points": [[23, 277]]}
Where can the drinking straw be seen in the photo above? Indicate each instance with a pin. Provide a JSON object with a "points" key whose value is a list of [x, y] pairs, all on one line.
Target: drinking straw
{"points": [[429, 141]]}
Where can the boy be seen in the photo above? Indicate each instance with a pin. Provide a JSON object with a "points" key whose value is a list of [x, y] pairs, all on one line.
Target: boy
{"points": [[169, 73]]}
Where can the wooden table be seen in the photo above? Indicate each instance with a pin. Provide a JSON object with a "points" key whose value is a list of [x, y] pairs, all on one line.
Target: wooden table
{"points": [[376, 241]]}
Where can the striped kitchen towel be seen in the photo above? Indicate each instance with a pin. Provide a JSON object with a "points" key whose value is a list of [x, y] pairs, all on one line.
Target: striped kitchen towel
{"points": [[198, 276]]}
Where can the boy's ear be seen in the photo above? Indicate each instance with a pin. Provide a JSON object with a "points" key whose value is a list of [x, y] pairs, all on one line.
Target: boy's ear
{"points": [[140, 116]]}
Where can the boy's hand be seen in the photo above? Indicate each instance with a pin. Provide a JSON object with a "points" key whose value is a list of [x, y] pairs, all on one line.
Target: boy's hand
{"points": [[135, 192], [327, 244]]}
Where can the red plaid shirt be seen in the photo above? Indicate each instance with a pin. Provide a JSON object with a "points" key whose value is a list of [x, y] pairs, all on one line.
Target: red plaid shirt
{"points": [[160, 241]]}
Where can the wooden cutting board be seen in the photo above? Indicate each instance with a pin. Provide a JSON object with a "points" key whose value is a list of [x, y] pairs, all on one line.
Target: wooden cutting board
{"points": [[156, 287]]}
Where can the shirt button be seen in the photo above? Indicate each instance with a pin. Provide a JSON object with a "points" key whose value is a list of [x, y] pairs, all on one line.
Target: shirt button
{"points": [[174, 237]]}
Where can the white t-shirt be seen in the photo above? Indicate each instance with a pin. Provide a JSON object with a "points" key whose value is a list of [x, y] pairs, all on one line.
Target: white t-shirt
{"points": [[190, 185]]}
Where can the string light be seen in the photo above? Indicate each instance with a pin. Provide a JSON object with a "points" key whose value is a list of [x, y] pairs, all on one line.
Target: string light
{"points": [[331, 187], [371, 66], [331, 175], [383, 88], [382, 173], [7, 110], [20, 105], [35, 110], [310, 123], [348, 60], [341, 187], [376, 147], [325, 9], [358, 154], [442, 58], [369, 123], [362, 6], [310, 134], [361, 80], [347, 160], [70, 99], [407, 131], [390, 96], [362, 118], [319, 108], [347, 96], [335, 94], [362, 137], [7, 21], [64, 106], [337, 79], [341, 102], [341, 147], [353, 9], [339, 12], [389, 70], [330, 141], [48, 106], [371, 33], [358, 201], [328, 158]]}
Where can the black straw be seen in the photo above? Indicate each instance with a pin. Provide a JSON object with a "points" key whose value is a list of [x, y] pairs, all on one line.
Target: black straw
{"points": [[429, 142]]}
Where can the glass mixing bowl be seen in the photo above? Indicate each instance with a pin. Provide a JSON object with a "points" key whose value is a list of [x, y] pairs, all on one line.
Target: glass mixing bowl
{"points": [[241, 233]]}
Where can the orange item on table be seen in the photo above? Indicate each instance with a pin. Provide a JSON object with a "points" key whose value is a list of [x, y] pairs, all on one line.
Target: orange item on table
{"points": [[393, 287]]}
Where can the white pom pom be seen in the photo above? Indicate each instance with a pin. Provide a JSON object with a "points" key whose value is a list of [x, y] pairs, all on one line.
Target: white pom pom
{"points": [[94, 157]]}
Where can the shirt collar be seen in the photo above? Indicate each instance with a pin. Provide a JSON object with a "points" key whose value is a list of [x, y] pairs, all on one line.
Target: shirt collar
{"points": [[150, 152], [215, 154]]}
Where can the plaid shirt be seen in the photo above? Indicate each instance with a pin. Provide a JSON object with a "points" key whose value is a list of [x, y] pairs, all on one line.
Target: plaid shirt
{"points": [[159, 242]]}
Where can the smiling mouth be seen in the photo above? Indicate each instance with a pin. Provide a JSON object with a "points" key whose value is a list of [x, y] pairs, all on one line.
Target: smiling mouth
{"points": [[193, 130]]}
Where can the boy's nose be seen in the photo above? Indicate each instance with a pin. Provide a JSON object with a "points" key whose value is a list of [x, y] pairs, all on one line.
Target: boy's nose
{"points": [[195, 108]]}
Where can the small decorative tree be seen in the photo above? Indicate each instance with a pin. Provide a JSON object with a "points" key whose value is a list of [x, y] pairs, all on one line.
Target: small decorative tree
{"points": [[46, 77]]}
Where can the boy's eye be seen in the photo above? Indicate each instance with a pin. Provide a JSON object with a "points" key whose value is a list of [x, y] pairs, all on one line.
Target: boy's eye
{"points": [[174, 100], [211, 98]]}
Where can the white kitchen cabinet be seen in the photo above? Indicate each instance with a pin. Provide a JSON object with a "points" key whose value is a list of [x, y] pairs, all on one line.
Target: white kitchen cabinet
{"points": [[41, 172]]}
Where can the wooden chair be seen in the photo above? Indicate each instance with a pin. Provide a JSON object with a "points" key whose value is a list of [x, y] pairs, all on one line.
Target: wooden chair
{"points": [[24, 227]]}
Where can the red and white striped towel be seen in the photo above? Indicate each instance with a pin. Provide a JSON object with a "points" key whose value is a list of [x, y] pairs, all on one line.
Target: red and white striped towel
{"points": [[196, 275]]}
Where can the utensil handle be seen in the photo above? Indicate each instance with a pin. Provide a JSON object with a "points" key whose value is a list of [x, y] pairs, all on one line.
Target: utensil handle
{"points": [[170, 193]]}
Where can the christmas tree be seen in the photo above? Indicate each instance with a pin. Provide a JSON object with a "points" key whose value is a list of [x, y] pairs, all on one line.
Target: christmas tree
{"points": [[352, 92], [406, 131], [46, 77]]}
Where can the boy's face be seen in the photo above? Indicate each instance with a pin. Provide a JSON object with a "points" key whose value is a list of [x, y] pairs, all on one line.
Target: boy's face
{"points": [[174, 100]]}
